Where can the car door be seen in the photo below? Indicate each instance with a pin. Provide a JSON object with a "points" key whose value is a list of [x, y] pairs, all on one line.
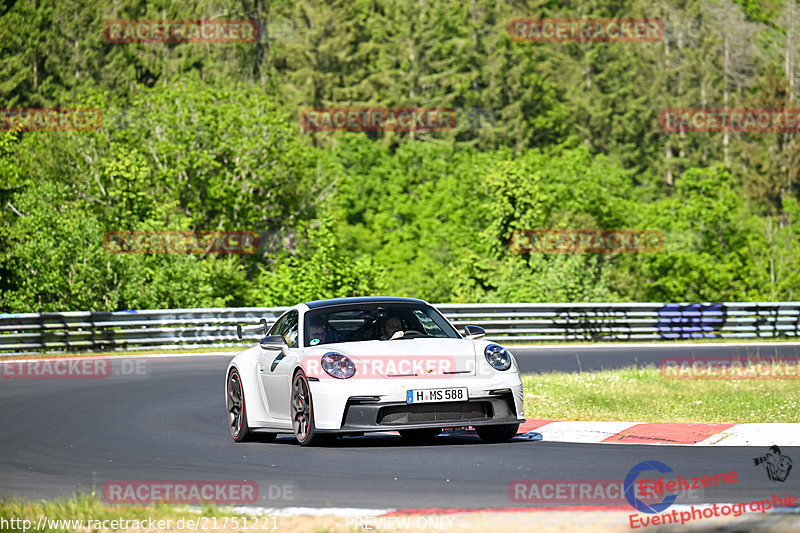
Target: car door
{"points": [[274, 366]]}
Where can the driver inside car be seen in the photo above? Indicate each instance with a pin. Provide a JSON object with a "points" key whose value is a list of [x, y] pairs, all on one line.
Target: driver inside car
{"points": [[392, 328], [317, 333]]}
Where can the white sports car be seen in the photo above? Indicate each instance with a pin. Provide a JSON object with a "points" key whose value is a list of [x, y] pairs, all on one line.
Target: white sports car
{"points": [[353, 365]]}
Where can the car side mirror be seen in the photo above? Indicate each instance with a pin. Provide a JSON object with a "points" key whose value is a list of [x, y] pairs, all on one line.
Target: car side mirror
{"points": [[474, 332], [273, 342], [261, 327]]}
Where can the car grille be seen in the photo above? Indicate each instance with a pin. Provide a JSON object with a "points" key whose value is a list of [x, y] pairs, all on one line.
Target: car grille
{"points": [[435, 412]]}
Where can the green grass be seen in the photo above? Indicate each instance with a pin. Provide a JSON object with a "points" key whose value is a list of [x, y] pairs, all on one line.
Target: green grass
{"points": [[90, 507], [642, 395]]}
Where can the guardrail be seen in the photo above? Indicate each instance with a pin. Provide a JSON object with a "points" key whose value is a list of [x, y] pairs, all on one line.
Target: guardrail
{"points": [[216, 327]]}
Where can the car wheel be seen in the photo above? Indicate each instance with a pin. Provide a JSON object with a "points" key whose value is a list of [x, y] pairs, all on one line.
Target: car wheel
{"points": [[237, 418], [499, 433], [420, 436], [302, 411]]}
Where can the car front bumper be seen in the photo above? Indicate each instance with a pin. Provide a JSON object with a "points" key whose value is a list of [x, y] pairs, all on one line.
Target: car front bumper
{"points": [[374, 405], [361, 416]]}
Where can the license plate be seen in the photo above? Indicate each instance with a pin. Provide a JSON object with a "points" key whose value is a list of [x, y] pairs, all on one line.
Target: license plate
{"points": [[437, 395]]}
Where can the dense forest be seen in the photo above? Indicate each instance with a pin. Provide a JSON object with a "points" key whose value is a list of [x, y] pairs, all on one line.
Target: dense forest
{"points": [[549, 135]]}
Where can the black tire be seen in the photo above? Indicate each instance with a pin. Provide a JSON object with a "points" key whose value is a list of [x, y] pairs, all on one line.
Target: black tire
{"points": [[420, 436], [237, 417], [500, 433], [302, 412]]}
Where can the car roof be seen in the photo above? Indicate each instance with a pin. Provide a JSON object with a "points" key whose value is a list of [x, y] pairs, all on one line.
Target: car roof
{"points": [[316, 304]]}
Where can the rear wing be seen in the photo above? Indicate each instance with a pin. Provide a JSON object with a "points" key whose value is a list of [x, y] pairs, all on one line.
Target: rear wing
{"points": [[260, 329]]}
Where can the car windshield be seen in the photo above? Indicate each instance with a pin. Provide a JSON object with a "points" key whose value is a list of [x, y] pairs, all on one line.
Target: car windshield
{"points": [[375, 321]]}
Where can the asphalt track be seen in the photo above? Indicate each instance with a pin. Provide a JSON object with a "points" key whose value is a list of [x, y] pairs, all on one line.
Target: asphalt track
{"points": [[167, 422]]}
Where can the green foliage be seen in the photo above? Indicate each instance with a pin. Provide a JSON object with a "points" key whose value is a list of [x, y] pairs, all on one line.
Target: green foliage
{"points": [[706, 248], [57, 261], [199, 159], [9, 171], [317, 269]]}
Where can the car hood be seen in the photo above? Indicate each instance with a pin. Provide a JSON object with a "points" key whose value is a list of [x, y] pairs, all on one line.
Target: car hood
{"points": [[422, 357]]}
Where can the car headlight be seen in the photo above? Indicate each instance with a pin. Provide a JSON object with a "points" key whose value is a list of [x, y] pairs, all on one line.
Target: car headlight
{"points": [[338, 366], [498, 357]]}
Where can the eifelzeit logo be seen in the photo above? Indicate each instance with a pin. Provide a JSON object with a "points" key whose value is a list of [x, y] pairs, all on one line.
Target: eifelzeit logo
{"points": [[778, 466]]}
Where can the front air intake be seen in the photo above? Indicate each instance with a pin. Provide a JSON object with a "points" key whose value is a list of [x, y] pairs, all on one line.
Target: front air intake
{"points": [[450, 412]]}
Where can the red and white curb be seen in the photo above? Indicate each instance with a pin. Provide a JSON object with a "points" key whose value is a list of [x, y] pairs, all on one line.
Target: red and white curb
{"points": [[673, 434], [680, 434]]}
